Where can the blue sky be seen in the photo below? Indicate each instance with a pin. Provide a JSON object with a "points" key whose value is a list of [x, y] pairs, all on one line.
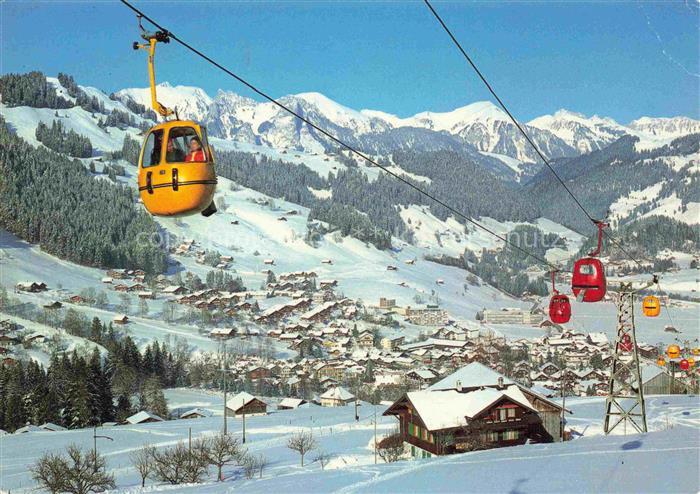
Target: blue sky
{"points": [[619, 59]]}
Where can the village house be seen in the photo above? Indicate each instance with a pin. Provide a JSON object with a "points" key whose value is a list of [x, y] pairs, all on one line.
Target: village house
{"points": [[143, 417], [337, 396], [512, 316], [120, 319], [325, 370], [420, 378], [174, 290], [474, 408], [290, 403], [222, 333], [391, 343], [319, 313], [245, 404], [31, 286], [365, 339], [431, 315], [195, 413]]}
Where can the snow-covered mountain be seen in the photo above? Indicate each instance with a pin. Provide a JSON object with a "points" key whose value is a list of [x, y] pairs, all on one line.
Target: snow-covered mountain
{"points": [[488, 128], [481, 126], [585, 134], [190, 102], [666, 128]]}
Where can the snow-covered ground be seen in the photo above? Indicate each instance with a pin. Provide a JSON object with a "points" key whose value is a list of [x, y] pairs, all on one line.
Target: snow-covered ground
{"points": [[665, 460]]}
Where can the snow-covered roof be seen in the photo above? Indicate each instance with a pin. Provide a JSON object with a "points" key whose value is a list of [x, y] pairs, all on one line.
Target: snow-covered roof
{"points": [[50, 426], [338, 393], [423, 373], [650, 371], [449, 409], [142, 416], [471, 376], [29, 428], [291, 402], [241, 399], [196, 411]]}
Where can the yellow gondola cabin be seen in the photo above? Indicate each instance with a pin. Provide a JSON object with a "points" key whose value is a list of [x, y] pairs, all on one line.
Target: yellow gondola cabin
{"points": [[176, 164], [651, 306], [173, 180]]}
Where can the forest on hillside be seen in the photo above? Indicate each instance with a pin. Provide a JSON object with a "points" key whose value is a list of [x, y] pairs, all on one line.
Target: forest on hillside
{"points": [[53, 200]]}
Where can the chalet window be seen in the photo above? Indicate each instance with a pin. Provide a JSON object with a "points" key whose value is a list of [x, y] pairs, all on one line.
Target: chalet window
{"points": [[511, 413], [501, 414], [492, 436], [511, 435]]}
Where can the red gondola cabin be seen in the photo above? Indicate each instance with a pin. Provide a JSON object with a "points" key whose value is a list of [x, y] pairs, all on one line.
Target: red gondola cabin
{"points": [[559, 309], [589, 277]]}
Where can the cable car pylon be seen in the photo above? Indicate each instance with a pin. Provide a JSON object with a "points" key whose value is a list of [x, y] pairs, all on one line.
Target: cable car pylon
{"points": [[625, 399]]}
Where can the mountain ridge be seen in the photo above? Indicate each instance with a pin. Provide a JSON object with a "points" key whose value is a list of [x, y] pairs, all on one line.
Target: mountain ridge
{"points": [[482, 125]]}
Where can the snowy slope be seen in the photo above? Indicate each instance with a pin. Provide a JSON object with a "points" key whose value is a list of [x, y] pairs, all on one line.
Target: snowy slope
{"points": [[593, 463]]}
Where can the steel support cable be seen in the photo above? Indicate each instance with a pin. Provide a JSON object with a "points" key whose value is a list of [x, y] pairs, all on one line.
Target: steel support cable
{"points": [[520, 128]]}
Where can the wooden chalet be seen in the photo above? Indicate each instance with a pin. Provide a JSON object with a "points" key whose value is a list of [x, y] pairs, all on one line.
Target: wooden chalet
{"points": [[245, 404], [195, 413], [291, 403], [31, 286], [337, 396], [474, 408], [142, 417]]}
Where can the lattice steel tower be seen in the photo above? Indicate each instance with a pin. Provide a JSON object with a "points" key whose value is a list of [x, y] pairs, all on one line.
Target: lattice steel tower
{"points": [[625, 400]]}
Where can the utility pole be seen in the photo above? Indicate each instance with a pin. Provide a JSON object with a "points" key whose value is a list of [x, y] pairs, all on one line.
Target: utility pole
{"points": [[357, 417], [375, 434], [95, 437], [243, 420], [625, 399], [224, 371], [563, 400]]}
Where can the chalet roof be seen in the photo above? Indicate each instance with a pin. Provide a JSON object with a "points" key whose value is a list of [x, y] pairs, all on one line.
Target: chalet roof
{"points": [[240, 400], [449, 409], [470, 376], [29, 428], [422, 373], [338, 393], [650, 371], [50, 426], [196, 411], [222, 331], [142, 416], [291, 402]]}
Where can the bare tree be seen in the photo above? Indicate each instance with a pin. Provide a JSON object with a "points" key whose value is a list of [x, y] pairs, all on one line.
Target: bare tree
{"points": [[142, 460], [49, 471], [249, 464], [390, 449], [322, 458], [223, 449], [260, 463], [302, 442], [178, 464], [80, 473]]}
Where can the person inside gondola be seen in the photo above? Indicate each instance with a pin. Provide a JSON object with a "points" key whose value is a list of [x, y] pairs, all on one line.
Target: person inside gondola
{"points": [[196, 152], [174, 154]]}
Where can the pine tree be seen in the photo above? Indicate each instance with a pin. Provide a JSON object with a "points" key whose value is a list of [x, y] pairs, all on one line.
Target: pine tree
{"points": [[154, 398]]}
